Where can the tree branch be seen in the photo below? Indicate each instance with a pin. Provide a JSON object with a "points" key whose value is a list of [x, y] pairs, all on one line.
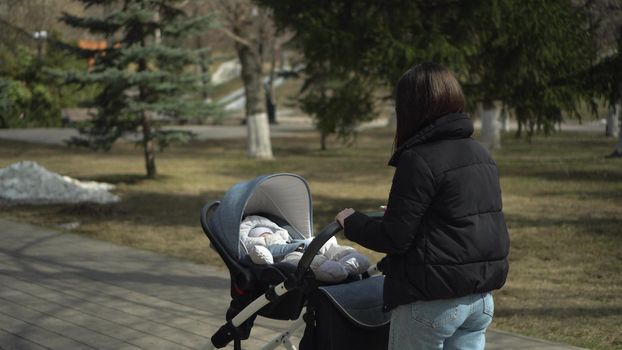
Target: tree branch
{"points": [[234, 37]]}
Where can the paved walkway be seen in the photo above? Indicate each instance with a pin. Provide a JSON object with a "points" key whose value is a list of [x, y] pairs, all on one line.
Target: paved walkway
{"points": [[66, 291], [287, 127], [59, 136]]}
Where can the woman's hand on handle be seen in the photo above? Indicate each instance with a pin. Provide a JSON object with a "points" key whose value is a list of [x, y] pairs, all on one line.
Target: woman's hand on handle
{"points": [[343, 215]]}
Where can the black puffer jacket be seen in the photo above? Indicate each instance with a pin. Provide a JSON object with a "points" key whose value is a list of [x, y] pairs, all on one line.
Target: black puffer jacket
{"points": [[443, 231]]}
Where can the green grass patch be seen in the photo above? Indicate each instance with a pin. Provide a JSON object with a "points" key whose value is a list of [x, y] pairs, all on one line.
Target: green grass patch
{"points": [[562, 199]]}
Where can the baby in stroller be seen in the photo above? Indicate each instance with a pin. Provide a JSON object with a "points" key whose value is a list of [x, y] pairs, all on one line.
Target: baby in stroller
{"points": [[267, 243], [265, 220]]}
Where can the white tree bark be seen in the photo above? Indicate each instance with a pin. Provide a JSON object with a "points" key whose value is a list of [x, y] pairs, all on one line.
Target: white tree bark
{"points": [[157, 34], [618, 150], [259, 145], [505, 120], [491, 126], [613, 121], [392, 120]]}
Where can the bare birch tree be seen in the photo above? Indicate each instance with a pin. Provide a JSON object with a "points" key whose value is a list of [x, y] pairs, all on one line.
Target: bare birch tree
{"points": [[251, 29]]}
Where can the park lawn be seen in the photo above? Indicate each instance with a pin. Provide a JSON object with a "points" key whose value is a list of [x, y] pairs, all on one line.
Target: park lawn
{"points": [[562, 199]]}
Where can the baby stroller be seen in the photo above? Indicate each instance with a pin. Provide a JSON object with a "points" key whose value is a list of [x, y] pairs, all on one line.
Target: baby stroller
{"points": [[347, 315]]}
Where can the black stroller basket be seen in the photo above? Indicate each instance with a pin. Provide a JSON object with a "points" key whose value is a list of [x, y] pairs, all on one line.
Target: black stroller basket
{"points": [[281, 291], [335, 320]]}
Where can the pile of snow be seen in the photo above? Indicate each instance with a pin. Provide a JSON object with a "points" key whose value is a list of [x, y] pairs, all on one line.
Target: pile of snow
{"points": [[28, 182]]}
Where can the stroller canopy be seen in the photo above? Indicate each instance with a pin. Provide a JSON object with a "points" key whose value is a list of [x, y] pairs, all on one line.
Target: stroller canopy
{"points": [[286, 196]]}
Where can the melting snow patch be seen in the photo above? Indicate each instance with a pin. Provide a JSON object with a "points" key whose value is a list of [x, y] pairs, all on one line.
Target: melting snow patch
{"points": [[28, 182]]}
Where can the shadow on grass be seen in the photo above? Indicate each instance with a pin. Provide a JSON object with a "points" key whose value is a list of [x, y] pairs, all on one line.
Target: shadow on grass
{"points": [[146, 208], [128, 179], [183, 210], [174, 209], [161, 209], [612, 176], [325, 208], [607, 226], [560, 312], [604, 194], [169, 209]]}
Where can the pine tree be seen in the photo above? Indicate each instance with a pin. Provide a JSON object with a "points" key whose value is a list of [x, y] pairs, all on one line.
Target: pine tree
{"points": [[142, 73], [337, 103], [528, 56], [354, 49], [605, 76], [521, 54]]}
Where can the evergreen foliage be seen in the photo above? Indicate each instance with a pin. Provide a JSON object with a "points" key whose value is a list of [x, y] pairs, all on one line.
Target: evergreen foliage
{"points": [[144, 78], [30, 94], [337, 105], [525, 54], [14, 101], [337, 40], [604, 79], [528, 56]]}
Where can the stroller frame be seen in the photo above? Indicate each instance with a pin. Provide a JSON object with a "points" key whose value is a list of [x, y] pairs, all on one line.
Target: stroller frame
{"points": [[241, 276]]}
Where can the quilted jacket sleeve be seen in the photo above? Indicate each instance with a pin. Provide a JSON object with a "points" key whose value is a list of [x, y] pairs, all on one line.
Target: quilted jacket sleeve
{"points": [[411, 193]]}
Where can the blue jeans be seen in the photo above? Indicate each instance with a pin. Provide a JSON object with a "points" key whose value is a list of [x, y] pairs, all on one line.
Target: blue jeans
{"points": [[448, 324]]}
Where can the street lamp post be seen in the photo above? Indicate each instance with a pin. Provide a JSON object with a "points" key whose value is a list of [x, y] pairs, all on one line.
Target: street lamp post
{"points": [[40, 37]]}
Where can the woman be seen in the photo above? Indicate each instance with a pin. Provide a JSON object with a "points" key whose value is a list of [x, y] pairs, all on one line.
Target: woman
{"points": [[443, 229]]}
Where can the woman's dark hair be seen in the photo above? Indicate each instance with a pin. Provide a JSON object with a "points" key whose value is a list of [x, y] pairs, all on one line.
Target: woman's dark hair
{"points": [[424, 92]]}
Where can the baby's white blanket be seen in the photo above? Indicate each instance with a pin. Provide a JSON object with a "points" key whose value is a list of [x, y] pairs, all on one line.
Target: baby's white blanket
{"points": [[250, 222]]}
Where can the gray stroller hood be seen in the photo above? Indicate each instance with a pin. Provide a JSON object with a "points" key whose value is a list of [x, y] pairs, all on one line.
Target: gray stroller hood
{"points": [[286, 196]]}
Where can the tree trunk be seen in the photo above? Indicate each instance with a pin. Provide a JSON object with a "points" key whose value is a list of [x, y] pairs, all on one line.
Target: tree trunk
{"points": [[203, 67], [392, 120], [617, 152], [251, 77], [323, 136], [491, 136], [259, 145], [149, 148], [157, 33], [269, 89], [505, 119], [270, 107], [612, 129], [148, 141]]}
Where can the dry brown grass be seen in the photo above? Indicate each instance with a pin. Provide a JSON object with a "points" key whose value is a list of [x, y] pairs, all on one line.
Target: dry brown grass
{"points": [[563, 204]]}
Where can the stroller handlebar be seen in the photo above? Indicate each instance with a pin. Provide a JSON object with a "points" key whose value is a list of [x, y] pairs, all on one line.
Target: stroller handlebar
{"points": [[327, 232], [305, 261]]}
